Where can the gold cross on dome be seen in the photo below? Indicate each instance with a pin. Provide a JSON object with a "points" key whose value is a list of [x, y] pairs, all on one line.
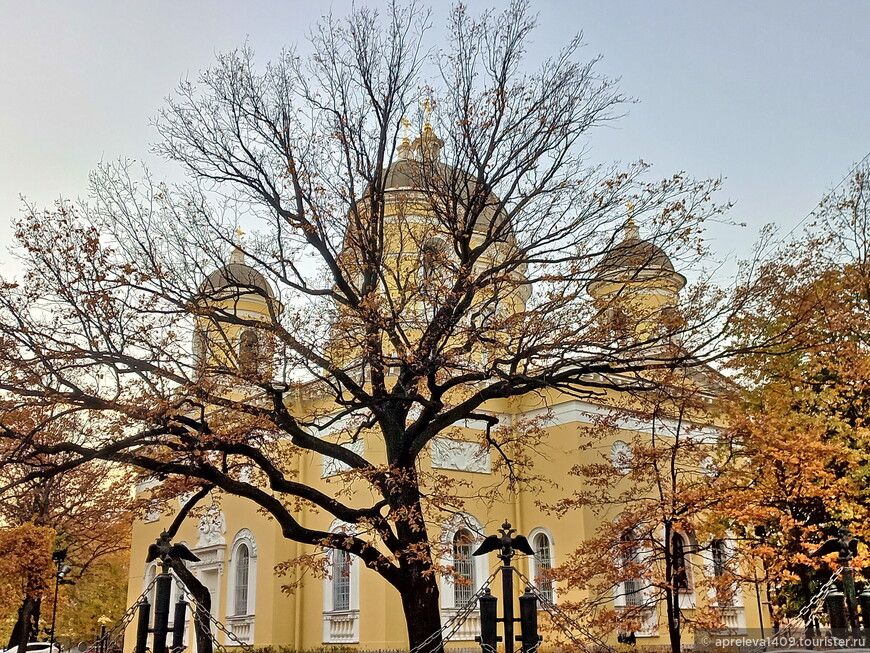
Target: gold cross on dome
{"points": [[427, 109], [239, 233], [405, 125]]}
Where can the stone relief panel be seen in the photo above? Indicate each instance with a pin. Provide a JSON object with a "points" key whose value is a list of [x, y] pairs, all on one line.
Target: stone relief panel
{"points": [[212, 527], [460, 456]]}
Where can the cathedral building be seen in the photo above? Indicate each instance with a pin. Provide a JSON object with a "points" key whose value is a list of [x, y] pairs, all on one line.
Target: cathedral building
{"points": [[242, 552]]}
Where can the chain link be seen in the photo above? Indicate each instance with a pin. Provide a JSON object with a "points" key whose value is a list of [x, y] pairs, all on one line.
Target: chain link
{"points": [[451, 627], [217, 624], [808, 612], [455, 622], [555, 611], [810, 609], [117, 631]]}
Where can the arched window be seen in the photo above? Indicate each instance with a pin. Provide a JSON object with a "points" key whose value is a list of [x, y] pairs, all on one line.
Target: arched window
{"points": [[719, 554], [341, 567], [680, 572], [542, 562], [242, 586], [460, 536], [630, 556], [463, 566], [341, 593], [249, 351], [433, 254], [723, 590], [243, 568], [150, 575]]}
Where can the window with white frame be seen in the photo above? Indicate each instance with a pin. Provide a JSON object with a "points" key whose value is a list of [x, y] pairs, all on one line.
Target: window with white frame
{"points": [[679, 563], [630, 555], [341, 594], [719, 566], [242, 571], [719, 554], [242, 586], [249, 351], [463, 568], [341, 567], [459, 538], [542, 562], [149, 577]]}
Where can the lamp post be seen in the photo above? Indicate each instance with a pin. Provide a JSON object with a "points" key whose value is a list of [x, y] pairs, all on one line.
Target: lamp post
{"points": [[59, 558], [103, 621]]}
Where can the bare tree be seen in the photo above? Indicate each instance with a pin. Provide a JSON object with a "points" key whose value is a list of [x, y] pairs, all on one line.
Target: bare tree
{"points": [[404, 280]]}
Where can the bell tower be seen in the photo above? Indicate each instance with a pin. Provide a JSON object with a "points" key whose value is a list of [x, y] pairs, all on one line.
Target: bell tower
{"points": [[636, 282], [232, 292]]}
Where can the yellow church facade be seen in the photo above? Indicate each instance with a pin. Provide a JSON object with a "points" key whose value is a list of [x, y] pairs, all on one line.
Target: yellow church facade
{"points": [[243, 553]]}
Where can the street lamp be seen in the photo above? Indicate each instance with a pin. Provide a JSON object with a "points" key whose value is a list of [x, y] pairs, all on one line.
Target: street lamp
{"points": [[103, 621], [59, 558]]}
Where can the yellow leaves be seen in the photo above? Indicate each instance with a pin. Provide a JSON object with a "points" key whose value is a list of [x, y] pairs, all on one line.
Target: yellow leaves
{"points": [[26, 567]]}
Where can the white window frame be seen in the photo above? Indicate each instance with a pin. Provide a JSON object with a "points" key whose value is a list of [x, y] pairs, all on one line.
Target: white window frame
{"points": [[687, 595], [710, 570], [341, 626], [535, 564], [461, 521], [647, 612], [246, 620]]}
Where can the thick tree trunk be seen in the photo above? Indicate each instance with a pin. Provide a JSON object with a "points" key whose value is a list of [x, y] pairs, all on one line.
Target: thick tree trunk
{"points": [[25, 629], [422, 608], [201, 621], [419, 591]]}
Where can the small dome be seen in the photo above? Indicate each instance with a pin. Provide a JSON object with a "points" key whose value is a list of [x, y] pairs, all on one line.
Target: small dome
{"points": [[635, 259], [236, 274]]}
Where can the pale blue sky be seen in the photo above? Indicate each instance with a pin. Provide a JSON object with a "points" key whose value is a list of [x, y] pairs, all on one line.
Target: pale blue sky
{"points": [[771, 95]]}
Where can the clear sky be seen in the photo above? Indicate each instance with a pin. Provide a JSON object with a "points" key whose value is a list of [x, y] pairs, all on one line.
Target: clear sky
{"points": [[772, 95]]}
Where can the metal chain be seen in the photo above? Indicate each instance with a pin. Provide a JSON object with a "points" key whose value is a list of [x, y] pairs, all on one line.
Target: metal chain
{"points": [[810, 609], [556, 611], [456, 620], [117, 631], [808, 612], [220, 626]]}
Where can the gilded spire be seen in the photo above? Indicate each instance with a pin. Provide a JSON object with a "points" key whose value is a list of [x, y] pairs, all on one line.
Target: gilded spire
{"points": [[404, 148], [428, 145], [630, 228]]}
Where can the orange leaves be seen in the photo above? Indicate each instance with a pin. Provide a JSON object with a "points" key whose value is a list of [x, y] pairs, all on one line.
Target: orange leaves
{"points": [[26, 567]]}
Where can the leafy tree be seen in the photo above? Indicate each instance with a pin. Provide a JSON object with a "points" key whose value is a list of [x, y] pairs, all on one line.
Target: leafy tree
{"points": [[405, 283], [661, 548], [27, 570], [83, 509], [802, 420]]}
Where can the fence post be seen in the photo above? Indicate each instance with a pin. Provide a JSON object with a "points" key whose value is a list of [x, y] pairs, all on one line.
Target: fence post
{"points": [[142, 626], [178, 625], [837, 611], [161, 612], [488, 622], [529, 621]]}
